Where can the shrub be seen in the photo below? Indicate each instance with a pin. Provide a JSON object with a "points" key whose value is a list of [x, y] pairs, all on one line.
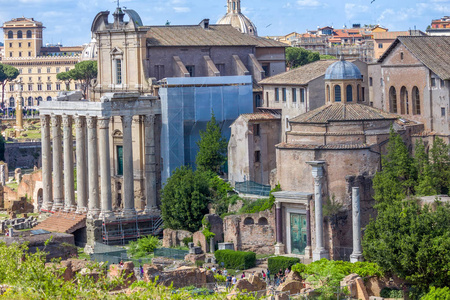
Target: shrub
{"points": [[281, 262], [199, 263], [220, 278], [188, 240], [437, 293], [236, 259], [143, 246], [393, 293]]}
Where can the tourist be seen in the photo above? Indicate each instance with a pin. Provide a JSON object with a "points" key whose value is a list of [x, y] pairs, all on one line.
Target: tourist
{"points": [[213, 269], [219, 272], [225, 272], [268, 274], [121, 264], [243, 275], [276, 280], [233, 280], [141, 271], [286, 272], [263, 275], [228, 281]]}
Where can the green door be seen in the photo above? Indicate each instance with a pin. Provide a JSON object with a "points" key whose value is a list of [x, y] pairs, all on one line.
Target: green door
{"points": [[119, 160], [298, 233]]}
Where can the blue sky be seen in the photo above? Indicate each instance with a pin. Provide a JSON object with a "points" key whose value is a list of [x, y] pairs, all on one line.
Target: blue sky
{"points": [[69, 21]]}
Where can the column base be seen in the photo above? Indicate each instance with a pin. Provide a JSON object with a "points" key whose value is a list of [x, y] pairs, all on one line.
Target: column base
{"points": [[308, 250], [81, 210], [93, 213], [57, 207], [70, 208], [354, 257], [279, 249], [152, 211], [320, 253], [107, 216], [129, 213]]}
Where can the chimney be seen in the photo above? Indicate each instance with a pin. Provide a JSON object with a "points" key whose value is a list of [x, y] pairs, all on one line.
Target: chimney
{"points": [[204, 24]]}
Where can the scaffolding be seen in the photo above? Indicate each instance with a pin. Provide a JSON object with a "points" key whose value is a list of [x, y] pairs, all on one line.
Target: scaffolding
{"points": [[123, 230]]}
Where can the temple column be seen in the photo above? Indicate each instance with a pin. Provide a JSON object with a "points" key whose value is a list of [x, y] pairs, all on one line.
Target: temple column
{"points": [[150, 164], [317, 172], [308, 231], [356, 220], [105, 168], [57, 164], [80, 123], [279, 246], [69, 192], [128, 177], [94, 201], [46, 163]]}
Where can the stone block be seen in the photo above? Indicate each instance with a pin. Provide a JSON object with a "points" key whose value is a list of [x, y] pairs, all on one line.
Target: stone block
{"points": [[361, 289], [200, 240], [195, 250], [226, 246], [193, 258], [174, 238]]}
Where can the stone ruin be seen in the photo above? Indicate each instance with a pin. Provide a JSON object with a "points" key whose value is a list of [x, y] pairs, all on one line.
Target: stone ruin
{"points": [[19, 223], [3, 173]]}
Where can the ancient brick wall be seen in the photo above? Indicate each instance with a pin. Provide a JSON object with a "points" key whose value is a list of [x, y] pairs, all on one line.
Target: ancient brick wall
{"points": [[251, 232]]}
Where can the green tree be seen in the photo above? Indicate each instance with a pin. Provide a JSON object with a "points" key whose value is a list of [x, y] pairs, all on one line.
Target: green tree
{"points": [[398, 174], [185, 198], [83, 72], [67, 77], [7, 74], [296, 57], [412, 241], [212, 147], [440, 165], [2, 148]]}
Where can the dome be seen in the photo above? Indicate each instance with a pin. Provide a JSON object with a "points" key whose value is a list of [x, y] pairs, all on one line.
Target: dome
{"points": [[342, 70], [238, 20]]}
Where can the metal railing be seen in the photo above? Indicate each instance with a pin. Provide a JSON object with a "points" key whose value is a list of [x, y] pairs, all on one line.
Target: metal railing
{"points": [[252, 188]]}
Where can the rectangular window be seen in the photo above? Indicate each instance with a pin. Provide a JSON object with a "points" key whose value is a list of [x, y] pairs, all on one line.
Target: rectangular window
{"points": [[20, 45], [30, 71], [284, 94], [277, 95], [20, 71], [76, 86], [119, 150], [29, 44], [256, 130], [433, 82], [30, 79], [29, 53], [380, 46], [294, 95], [362, 94], [39, 78], [257, 156], [221, 69], [21, 87], [67, 69], [49, 78], [39, 87], [118, 71], [48, 70], [39, 71], [57, 70], [191, 70], [11, 87], [20, 54], [370, 81], [442, 84], [302, 95], [10, 44], [10, 54], [49, 87], [58, 87], [442, 111], [30, 87]]}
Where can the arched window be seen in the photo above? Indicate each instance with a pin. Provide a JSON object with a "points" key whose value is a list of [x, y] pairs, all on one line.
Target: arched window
{"points": [[22, 100], [358, 88], [49, 98], [19, 34], [337, 93], [328, 93], [10, 34], [30, 101], [249, 221], [263, 221], [38, 99], [349, 92], [404, 101], [416, 100], [12, 102], [28, 34], [393, 100]]}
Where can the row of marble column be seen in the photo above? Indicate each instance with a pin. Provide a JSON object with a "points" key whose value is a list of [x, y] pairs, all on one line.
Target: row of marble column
{"points": [[93, 160]]}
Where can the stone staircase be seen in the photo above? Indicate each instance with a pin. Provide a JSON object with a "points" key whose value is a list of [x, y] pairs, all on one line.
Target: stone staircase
{"points": [[65, 222]]}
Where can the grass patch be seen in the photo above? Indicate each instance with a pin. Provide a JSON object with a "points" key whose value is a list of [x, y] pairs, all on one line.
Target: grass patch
{"points": [[82, 254], [13, 185]]}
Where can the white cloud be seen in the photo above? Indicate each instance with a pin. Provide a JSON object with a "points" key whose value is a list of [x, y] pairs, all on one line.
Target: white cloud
{"points": [[352, 10], [182, 9], [308, 3]]}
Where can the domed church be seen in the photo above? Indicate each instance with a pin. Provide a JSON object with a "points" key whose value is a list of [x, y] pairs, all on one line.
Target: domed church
{"points": [[238, 20]]}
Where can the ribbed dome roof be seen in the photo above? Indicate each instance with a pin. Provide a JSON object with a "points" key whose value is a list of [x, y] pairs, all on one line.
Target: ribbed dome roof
{"points": [[342, 70], [240, 22]]}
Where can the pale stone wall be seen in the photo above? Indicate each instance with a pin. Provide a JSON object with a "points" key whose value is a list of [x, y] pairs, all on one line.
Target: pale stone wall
{"points": [[251, 232]]}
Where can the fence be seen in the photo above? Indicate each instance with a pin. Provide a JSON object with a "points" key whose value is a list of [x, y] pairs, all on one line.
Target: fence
{"points": [[252, 188], [171, 253]]}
